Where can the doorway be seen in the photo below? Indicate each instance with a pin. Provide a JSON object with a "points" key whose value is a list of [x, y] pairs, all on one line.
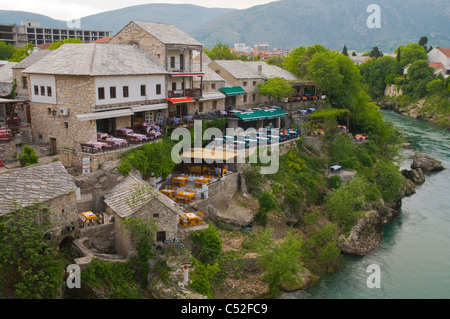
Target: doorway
{"points": [[53, 146]]}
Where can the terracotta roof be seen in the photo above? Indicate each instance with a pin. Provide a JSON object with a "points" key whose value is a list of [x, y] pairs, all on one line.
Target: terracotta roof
{"points": [[103, 40], [43, 46], [436, 65], [42, 182], [446, 51]]}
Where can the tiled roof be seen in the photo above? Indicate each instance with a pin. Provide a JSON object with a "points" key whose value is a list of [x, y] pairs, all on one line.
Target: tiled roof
{"points": [[249, 69], [41, 182], [97, 59], [6, 75], [446, 51], [103, 40], [131, 194], [167, 33], [43, 46], [210, 75], [436, 65], [31, 59]]}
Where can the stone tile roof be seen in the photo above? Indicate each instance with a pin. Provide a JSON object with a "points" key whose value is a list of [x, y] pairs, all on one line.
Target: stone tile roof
{"points": [[210, 75], [249, 70], [97, 59], [6, 75], [167, 33], [132, 193], [31, 59], [42, 182]]}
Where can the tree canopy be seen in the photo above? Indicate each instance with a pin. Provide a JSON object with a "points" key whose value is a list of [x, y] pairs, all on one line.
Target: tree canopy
{"points": [[275, 88], [412, 52], [22, 53], [57, 44], [220, 52], [6, 50]]}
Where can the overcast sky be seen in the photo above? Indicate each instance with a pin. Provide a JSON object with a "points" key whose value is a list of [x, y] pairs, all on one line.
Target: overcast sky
{"points": [[72, 9]]}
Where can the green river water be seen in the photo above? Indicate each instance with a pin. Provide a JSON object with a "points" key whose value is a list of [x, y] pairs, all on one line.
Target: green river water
{"points": [[414, 254]]}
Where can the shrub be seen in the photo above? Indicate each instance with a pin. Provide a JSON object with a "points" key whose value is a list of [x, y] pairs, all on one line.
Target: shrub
{"points": [[201, 278], [335, 182], [207, 244], [28, 156], [389, 180]]}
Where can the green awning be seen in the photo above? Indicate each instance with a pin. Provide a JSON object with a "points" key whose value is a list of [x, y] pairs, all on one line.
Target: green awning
{"points": [[233, 91], [261, 115]]}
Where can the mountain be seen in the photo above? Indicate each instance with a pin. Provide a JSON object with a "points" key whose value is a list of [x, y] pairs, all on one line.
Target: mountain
{"points": [[184, 16], [285, 23], [333, 23]]}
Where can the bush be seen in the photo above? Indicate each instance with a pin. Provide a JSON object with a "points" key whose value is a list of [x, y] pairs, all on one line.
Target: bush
{"points": [[335, 182], [389, 180], [28, 156], [201, 278], [207, 244]]}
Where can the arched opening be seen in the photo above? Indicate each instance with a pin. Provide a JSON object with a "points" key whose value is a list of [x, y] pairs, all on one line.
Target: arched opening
{"points": [[66, 244]]}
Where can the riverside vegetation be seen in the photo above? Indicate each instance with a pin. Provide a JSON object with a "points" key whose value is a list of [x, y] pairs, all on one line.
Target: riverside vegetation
{"points": [[302, 216]]}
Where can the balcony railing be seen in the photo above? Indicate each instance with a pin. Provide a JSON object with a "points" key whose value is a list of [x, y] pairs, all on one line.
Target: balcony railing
{"points": [[193, 93]]}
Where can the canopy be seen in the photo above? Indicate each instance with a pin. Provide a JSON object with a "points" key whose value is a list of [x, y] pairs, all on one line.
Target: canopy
{"points": [[261, 115], [208, 154], [183, 99], [104, 115], [233, 91]]}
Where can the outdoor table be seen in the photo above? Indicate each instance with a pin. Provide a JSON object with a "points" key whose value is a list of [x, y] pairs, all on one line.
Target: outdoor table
{"points": [[98, 145], [168, 192], [192, 218], [186, 196], [216, 171], [140, 137], [302, 111], [89, 216], [181, 181], [183, 220], [101, 135], [196, 169], [199, 182], [117, 141]]}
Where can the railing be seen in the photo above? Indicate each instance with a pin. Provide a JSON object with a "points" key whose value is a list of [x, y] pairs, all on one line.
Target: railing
{"points": [[195, 93]]}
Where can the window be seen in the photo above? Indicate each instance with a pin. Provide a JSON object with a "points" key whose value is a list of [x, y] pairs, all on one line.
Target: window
{"points": [[174, 86], [172, 62], [245, 83], [36, 90], [143, 90], [24, 82], [181, 61], [66, 124], [101, 93], [200, 107], [49, 91], [214, 105], [161, 236], [245, 98], [158, 89], [112, 92], [254, 97], [155, 215], [125, 91], [149, 116], [213, 86], [254, 83], [49, 111], [43, 90]]}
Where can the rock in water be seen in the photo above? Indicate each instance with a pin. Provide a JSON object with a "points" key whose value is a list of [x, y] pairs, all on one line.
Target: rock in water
{"points": [[415, 175], [364, 236], [426, 163]]}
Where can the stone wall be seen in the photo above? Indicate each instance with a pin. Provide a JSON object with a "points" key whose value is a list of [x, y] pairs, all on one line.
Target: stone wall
{"points": [[8, 152], [74, 159], [134, 34], [227, 185], [73, 92], [166, 221]]}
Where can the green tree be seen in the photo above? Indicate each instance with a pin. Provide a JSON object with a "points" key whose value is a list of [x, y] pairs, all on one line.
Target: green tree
{"points": [[435, 86], [423, 42], [376, 53], [389, 180], [28, 156], [280, 261], [345, 51], [275, 88], [22, 53], [57, 44], [297, 62], [29, 267], [6, 50], [220, 52], [207, 245], [202, 276], [419, 75], [374, 73], [412, 52], [276, 60]]}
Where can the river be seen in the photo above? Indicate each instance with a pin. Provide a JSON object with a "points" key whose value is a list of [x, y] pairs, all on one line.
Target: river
{"points": [[414, 253]]}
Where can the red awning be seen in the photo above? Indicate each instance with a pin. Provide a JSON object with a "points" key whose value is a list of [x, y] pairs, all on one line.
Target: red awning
{"points": [[183, 99], [187, 74]]}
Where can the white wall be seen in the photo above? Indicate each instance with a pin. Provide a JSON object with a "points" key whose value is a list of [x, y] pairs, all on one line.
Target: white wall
{"points": [[46, 81], [436, 55], [176, 55], [134, 88]]}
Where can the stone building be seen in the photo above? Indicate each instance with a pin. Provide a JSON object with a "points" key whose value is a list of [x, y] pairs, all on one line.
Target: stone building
{"points": [[81, 89], [174, 50], [52, 186], [244, 77], [134, 198]]}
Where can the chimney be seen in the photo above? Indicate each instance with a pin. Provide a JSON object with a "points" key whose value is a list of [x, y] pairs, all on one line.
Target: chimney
{"points": [[260, 69]]}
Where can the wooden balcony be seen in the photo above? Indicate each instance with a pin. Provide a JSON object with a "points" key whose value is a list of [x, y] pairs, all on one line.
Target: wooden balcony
{"points": [[192, 93]]}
